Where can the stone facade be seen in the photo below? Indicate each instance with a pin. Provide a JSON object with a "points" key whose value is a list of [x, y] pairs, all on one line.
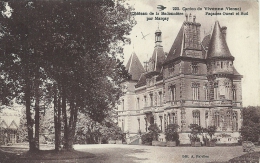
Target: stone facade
{"points": [[196, 83]]}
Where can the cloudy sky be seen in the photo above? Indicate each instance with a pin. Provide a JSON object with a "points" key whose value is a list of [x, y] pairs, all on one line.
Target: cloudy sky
{"points": [[242, 34]]}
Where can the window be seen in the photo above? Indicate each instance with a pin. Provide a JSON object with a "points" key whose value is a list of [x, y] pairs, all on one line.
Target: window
{"points": [[145, 101], [151, 99], [174, 118], [215, 90], [123, 104], [195, 91], [206, 118], [194, 68], [138, 103], [235, 126], [165, 122], [206, 92], [229, 119], [221, 64], [227, 89], [234, 96], [217, 120], [160, 99], [196, 117], [173, 93]]}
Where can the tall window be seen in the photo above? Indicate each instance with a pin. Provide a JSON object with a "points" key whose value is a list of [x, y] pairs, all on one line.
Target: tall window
{"points": [[145, 101], [234, 96], [235, 126], [151, 99], [206, 118], [122, 125], [194, 68], [229, 119], [196, 117], [174, 118], [227, 89], [215, 90], [173, 93], [217, 119], [195, 91], [123, 104], [138, 103], [206, 92], [160, 99]]}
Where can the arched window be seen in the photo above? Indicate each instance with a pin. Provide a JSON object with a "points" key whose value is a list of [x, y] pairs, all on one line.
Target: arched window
{"points": [[196, 117], [172, 93], [227, 89]]}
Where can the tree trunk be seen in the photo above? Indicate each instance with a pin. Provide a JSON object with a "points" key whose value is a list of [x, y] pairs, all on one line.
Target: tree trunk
{"points": [[64, 114], [27, 95], [72, 124], [37, 111], [55, 101]]}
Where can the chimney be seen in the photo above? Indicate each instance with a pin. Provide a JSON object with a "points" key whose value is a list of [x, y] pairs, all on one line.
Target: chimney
{"points": [[194, 18], [224, 31]]}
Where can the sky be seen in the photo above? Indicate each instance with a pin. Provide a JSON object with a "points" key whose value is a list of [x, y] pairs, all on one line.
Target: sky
{"points": [[242, 34]]}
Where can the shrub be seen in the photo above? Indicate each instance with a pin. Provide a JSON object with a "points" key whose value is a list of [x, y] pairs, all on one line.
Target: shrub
{"points": [[154, 130], [171, 133], [195, 131], [147, 138]]}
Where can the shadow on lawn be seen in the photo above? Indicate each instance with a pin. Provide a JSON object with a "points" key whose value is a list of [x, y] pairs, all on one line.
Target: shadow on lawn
{"points": [[17, 155]]}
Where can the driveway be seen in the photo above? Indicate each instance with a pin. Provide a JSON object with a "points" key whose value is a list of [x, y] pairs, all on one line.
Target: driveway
{"points": [[115, 153]]}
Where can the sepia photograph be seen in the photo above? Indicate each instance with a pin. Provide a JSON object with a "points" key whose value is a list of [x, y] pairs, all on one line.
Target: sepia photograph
{"points": [[111, 81]]}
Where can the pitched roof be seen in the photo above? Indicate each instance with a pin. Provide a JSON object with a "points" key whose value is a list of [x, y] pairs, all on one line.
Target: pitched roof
{"points": [[141, 81], [134, 67], [218, 46], [9, 122], [176, 48], [159, 57]]}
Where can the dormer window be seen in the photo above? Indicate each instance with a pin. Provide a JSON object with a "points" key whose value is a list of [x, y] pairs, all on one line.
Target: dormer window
{"points": [[194, 68]]}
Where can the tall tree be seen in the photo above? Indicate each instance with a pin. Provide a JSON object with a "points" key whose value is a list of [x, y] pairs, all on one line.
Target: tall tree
{"points": [[75, 45]]}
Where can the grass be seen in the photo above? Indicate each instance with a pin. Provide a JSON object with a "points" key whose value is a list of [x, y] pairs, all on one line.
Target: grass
{"points": [[248, 157], [43, 155]]}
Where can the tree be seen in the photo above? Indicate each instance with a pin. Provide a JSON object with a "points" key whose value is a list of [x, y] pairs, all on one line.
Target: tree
{"points": [[171, 133], [195, 131], [75, 46], [250, 129]]}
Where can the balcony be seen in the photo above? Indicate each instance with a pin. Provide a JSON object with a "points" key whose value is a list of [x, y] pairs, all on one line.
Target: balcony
{"points": [[221, 103], [193, 103], [149, 109], [237, 104]]}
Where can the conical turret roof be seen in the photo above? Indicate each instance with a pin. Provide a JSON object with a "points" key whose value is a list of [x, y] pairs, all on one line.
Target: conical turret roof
{"points": [[134, 67], [218, 46]]}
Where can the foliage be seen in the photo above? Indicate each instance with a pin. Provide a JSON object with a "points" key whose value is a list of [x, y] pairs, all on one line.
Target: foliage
{"points": [[147, 138], [195, 131], [171, 133], [250, 129], [43, 43], [210, 130], [154, 130], [91, 132]]}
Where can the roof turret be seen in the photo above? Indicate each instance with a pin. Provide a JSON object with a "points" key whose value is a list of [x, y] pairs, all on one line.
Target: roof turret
{"points": [[134, 67], [218, 46]]}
